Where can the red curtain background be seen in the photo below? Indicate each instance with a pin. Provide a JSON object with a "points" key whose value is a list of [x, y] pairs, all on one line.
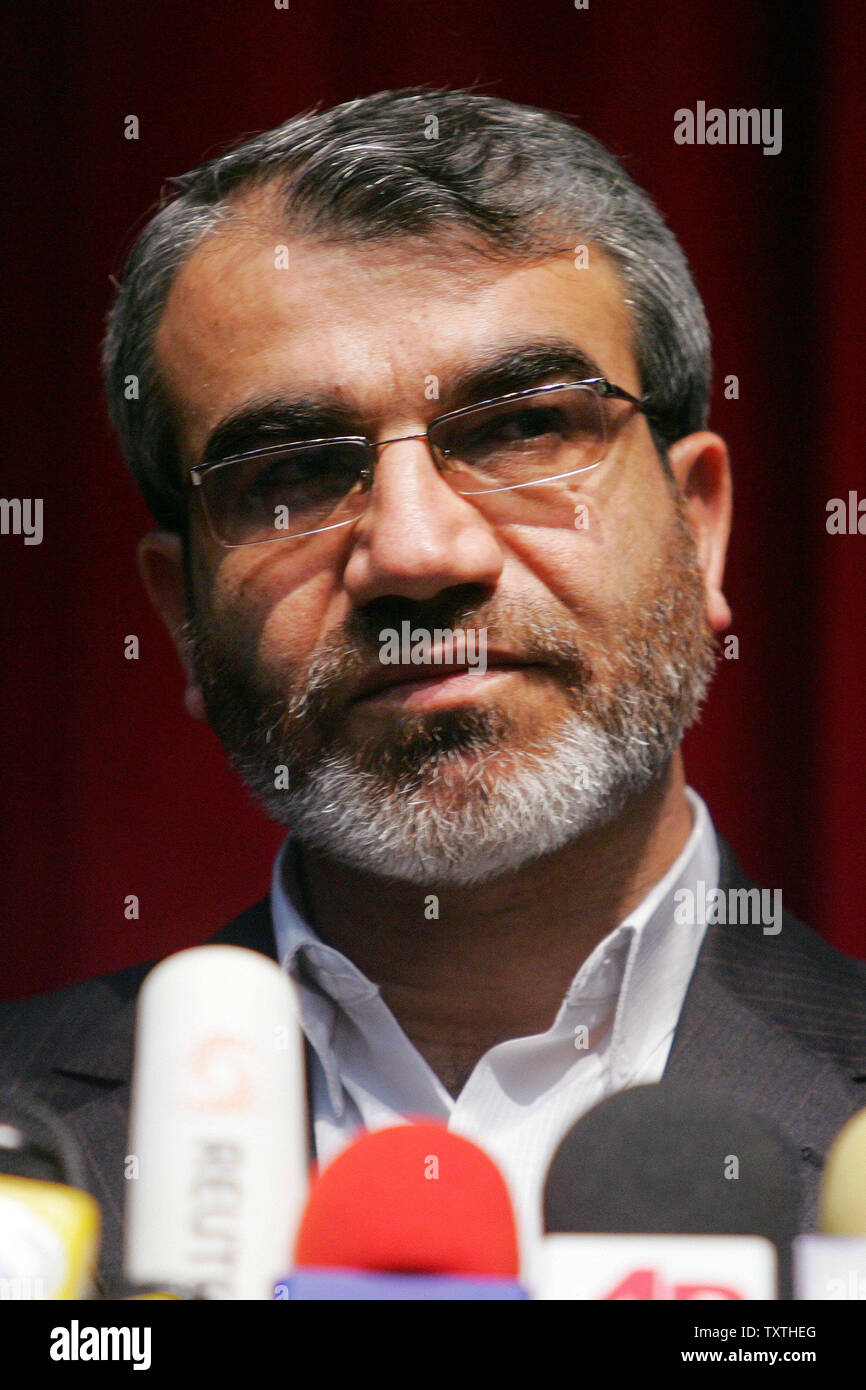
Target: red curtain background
{"points": [[109, 788]]}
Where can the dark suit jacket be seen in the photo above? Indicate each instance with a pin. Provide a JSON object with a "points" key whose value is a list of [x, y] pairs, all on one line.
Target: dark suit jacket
{"points": [[776, 1023]]}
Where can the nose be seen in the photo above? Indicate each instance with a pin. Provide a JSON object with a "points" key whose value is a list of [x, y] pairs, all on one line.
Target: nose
{"points": [[417, 536]]}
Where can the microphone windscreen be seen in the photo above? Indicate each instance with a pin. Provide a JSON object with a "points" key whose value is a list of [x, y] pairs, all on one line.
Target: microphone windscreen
{"points": [[218, 1125], [410, 1199], [656, 1160]]}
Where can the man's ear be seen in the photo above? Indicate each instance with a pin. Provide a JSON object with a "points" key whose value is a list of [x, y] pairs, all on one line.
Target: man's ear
{"points": [[160, 564], [702, 469]]}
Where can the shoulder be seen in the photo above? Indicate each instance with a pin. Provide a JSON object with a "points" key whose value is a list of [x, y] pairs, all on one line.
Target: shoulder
{"points": [[87, 1028], [790, 975], [775, 1019], [36, 1033]]}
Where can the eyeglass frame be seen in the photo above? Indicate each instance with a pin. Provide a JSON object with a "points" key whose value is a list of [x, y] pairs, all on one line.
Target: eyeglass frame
{"points": [[600, 384]]}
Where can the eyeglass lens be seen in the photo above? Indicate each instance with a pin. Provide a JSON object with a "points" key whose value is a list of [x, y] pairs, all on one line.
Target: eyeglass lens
{"points": [[493, 448]]}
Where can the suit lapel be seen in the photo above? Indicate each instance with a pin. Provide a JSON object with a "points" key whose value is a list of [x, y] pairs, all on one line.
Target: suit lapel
{"points": [[742, 1033], [103, 1052]]}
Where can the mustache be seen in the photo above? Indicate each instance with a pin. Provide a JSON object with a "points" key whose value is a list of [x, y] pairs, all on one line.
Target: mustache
{"points": [[532, 632], [310, 699]]}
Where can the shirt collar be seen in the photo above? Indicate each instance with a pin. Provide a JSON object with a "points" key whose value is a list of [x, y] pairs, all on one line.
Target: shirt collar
{"points": [[638, 973], [326, 979], [645, 964]]}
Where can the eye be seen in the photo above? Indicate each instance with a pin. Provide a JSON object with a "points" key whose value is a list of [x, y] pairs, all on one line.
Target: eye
{"points": [[287, 470], [517, 429], [303, 479], [528, 423]]}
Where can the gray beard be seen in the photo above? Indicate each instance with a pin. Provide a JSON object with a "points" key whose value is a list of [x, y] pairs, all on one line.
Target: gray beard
{"points": [[457, 798], [491, 824]]}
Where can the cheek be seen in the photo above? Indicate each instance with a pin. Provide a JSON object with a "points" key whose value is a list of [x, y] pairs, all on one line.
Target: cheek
{"points": [[604, 563], [580, 566], [283, 618], [247, 598]]}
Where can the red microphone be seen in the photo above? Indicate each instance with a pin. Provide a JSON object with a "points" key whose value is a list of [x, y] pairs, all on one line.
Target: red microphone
{"points": [[412, 1212]]}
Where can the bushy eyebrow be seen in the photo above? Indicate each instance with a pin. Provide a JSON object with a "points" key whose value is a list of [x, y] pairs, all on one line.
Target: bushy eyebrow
{"points": [[279, 419], [516, 369], [319, 415]]}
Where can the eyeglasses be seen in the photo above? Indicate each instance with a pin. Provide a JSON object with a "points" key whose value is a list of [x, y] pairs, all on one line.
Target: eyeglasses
{"points": [[527, 438]]}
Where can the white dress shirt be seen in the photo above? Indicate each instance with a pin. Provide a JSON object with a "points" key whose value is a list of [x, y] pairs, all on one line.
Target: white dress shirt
{"points": [[614, 1029]]}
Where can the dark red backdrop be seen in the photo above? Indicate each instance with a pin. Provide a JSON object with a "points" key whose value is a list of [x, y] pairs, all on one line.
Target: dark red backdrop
{"points": [[111, 790]]}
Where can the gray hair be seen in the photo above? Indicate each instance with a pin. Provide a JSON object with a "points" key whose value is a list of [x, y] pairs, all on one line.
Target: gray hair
{"points": [[516, 181]]}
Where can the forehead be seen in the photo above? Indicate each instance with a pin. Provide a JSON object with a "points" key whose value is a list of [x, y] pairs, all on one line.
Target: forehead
{"points": [[254, 316]]}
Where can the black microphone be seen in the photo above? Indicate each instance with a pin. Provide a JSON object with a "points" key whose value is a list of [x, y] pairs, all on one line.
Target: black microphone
{"points": [[662, 1161]]}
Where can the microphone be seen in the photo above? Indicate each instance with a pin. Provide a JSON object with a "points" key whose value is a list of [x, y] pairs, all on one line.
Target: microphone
{"points": [[666, 1193], [49, 1226], [832, 1263], [218, 1133], [842, 1203], [409, 1212]]}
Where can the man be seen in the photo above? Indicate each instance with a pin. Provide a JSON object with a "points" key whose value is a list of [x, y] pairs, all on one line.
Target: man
{"points": [[419, 404]]}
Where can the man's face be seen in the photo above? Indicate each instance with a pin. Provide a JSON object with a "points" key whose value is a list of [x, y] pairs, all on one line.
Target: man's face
{"points": [[591, 595]]}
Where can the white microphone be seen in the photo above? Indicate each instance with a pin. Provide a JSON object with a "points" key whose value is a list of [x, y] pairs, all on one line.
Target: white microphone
{"points": [[218, 1167]]}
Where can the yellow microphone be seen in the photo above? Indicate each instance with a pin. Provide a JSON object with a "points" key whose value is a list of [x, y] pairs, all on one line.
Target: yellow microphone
{"points": [[830, 1264], [49, 1226], [843, 1190]]}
